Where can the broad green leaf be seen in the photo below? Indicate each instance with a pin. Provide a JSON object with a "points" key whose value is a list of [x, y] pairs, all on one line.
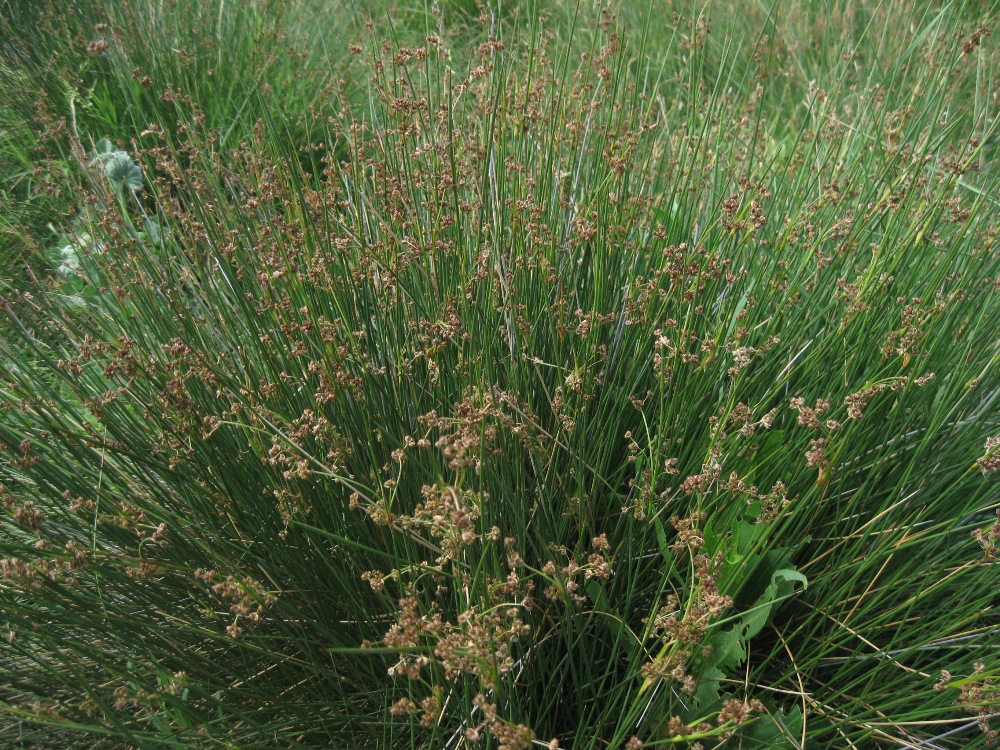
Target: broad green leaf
{"points": [[782, 585], [728, 649]]}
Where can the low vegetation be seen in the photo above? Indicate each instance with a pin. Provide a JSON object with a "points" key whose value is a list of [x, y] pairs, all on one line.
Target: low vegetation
{"points": [[529, 375]]}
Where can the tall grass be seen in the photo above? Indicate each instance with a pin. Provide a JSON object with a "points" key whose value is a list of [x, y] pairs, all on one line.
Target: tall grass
{"points": [[562, 378], [102, 70]]}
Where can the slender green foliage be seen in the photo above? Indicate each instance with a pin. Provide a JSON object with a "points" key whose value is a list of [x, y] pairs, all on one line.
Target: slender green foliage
{"points": [[551, 376]]}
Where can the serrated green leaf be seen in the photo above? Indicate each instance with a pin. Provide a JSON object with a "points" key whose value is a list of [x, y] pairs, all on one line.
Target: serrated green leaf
{"points": [[728, 650], [782, 585], [775, 729], [123, 171], [153, 232], [707, 697]]}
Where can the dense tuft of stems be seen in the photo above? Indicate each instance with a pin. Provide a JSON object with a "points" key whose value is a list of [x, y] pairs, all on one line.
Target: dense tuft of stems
{"points": [[535, 376]]}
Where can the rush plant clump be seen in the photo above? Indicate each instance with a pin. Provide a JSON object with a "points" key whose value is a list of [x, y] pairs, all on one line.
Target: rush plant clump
{"points": [[554, 376]]}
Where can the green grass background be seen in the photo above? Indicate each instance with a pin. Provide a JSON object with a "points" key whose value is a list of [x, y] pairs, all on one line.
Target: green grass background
{"points": [[517, 375]]}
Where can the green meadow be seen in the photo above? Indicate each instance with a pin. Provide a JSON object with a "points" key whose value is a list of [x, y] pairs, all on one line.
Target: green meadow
{"points": [[499, 375]]}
